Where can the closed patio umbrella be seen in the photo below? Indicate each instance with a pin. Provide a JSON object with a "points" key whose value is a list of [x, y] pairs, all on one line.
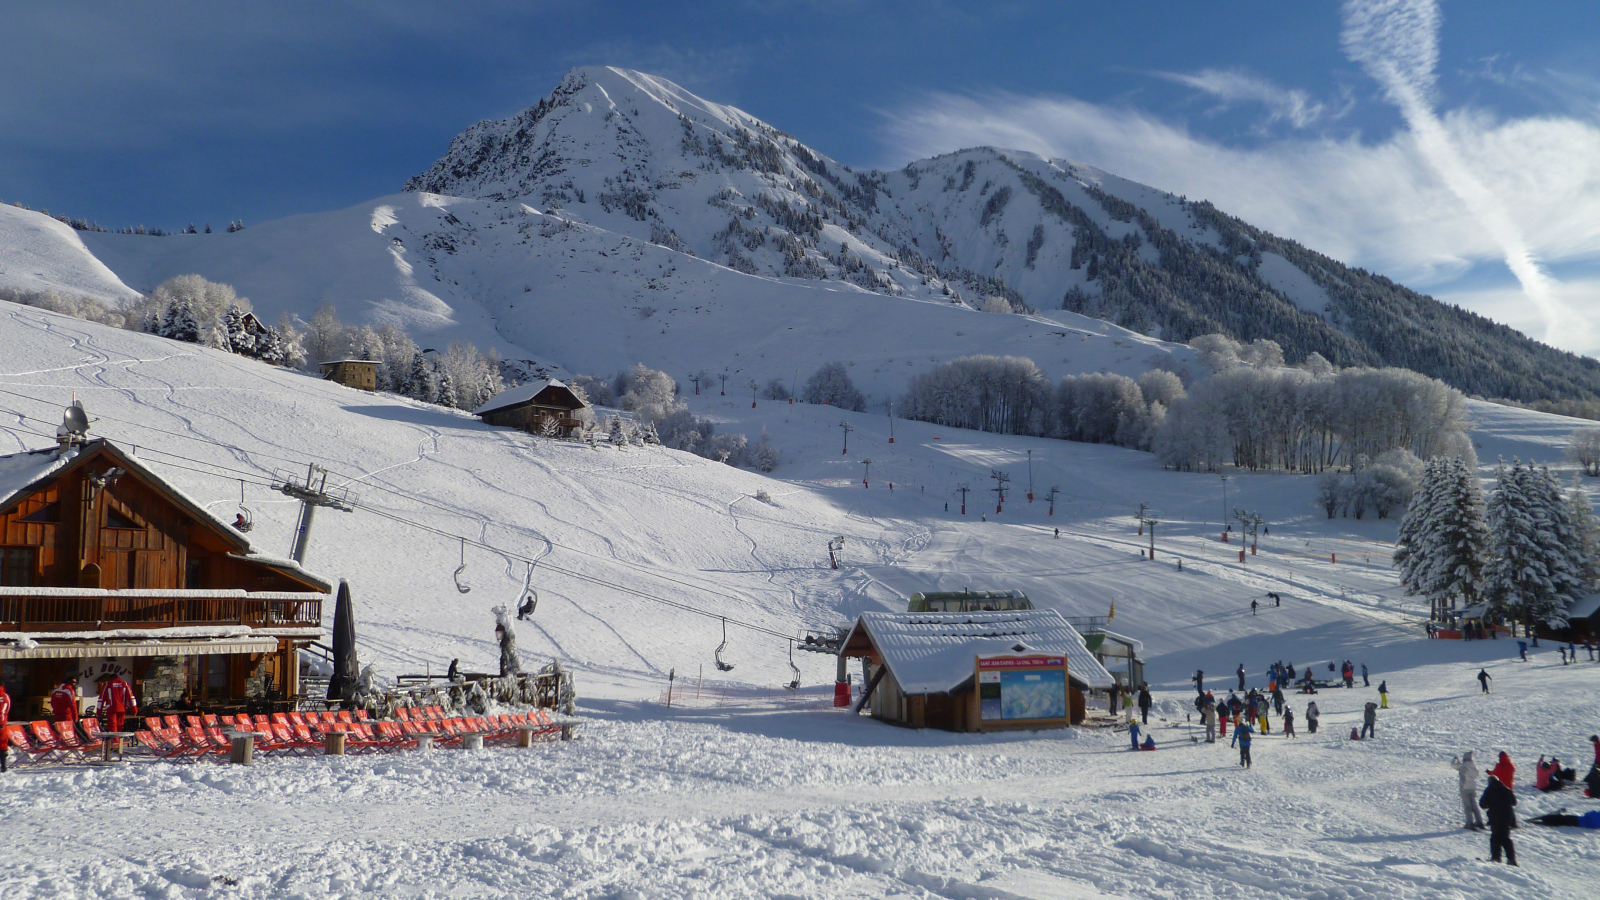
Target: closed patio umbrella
{"points": [[346, 668]]}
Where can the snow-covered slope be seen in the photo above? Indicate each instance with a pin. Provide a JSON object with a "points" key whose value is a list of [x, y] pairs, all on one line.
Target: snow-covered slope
{"points": [[37, 253]]}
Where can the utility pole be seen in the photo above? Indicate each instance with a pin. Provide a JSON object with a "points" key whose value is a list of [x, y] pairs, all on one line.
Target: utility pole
{"points": [[867, 472], [724, 388], [312, 494], [1224, 509], [1052, 498], [964, 489], [1001, 479], [847, 429], [1147, 517], [1030, 475], [890, 404], [1143, 507]]}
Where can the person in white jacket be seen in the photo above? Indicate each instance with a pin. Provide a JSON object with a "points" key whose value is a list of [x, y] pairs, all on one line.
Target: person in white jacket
{"points": [[1467, 769]]}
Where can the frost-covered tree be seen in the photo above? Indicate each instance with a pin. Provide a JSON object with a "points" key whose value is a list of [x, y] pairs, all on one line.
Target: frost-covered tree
{"points": [[1004, 394], [1443, 541], [831, 384], [1530, 575], [764, 455], [1587, 529], [775, 390], [1583, 448], [447, 391], [423, 385], [326, 338]]}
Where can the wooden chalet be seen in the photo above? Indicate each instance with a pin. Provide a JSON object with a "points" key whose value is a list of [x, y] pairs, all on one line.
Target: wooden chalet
{"points": [[534, 406], [361, 374], [107, 569], [924, 669]]}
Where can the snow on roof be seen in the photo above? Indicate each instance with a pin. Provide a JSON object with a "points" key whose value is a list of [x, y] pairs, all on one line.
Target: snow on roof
{"points": [[19, 470], [335, 362], [1584, 607], [931, 653], [522, 393]]}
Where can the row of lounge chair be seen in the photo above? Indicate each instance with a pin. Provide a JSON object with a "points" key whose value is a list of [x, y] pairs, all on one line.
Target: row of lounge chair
{"points": [[296, 734]]}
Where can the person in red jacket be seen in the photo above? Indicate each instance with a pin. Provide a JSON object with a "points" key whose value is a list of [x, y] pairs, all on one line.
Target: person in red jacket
{"points": [[5, 716], [64, 702], [1504, 770], [117, 702]]}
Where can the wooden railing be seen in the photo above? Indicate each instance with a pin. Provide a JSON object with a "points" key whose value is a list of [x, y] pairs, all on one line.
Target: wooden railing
{"points": [[109, 612]]}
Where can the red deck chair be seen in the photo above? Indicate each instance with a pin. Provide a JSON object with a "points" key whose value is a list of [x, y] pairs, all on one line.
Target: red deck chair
{"points": [[394, 736], [193, 722], [209, 720], [403, 713], [47, 741], [217, 738], [91, 729], [171, 723], [196, 738], [344, 716], [282, 719], [361, 715], [154, 723], [68, 736], [17, 739], [153, 742]]}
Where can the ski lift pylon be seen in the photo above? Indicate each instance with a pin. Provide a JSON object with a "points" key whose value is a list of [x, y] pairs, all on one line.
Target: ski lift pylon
{"points": [[245, 520], [722, 666], [794, 683], [462, 586]]}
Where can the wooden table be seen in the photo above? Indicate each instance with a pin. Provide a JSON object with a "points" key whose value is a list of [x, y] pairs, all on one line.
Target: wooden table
{"points": [[106, 742]]}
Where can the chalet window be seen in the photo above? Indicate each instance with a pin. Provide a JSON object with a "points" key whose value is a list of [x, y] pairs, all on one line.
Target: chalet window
{"points": [[192, 575], [50, 512], [17, 566], [116, 519]]}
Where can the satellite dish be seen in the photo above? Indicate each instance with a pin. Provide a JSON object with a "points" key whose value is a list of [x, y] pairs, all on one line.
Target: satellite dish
{"points": [[75, 421]]}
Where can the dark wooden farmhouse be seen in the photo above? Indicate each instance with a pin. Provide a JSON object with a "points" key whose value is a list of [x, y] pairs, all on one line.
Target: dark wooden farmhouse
{"points": [[357, 373], [545, 406], [107, 569]]}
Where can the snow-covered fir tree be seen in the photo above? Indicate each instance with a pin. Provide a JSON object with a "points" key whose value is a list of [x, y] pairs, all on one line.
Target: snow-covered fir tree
{"points": [[1443, 538], [1529, 576], [422, 385], [447, 391], [1587, 529]]}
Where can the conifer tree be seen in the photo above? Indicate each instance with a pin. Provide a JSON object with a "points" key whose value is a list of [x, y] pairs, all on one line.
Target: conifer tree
{"points": [[447, 390], [1529, 576], [1587, 529]]}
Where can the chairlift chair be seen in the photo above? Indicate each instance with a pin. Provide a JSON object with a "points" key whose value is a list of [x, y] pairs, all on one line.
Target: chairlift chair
{"points": [[794, 683], [530, 597], [722, 666], [245, 520], [462, 586]]}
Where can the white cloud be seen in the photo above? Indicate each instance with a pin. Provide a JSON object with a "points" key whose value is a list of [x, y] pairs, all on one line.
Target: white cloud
{"points": [[1396, 42], [1232, 86]]}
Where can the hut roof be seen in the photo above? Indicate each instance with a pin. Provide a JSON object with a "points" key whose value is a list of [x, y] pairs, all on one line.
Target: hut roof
{"points": [[931, 653], [524, 393]]}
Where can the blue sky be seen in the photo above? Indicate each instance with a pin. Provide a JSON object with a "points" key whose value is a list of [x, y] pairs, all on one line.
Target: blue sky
{"points": [[1454, 146]]}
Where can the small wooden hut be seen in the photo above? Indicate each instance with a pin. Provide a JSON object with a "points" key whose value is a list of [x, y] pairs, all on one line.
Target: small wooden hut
{"points": [[536, 407], [953, 670]]}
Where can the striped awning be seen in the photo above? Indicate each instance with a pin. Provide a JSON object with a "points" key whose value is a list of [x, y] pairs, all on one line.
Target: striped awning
{"points": [[122, 649]]}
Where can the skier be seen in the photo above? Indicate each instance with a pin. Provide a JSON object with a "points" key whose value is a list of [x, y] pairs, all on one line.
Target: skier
{"points": [[1199, 680], [526, 608], [1349, 674], [1276, 600], [1589, 646], [1241, 736], [5, 716], [1522, 650], [1288, 722], [1500, 802], [1484, 678], [984, 516], [1383, 694], [238, 522], [1277, 698], [947, 506], [64, 702], [1563, 651], [1208, 715], [1312, 714], [1252, 607], [1144, 703], [1504, 771], [1369, 720], [1240, 673], [1467, 771], [455, 667], [1133, 735], [1058, 534], [1365, 682], [116, 701]]}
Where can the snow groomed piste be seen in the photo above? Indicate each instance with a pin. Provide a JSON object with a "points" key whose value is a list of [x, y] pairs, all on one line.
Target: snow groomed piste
{"points": [[753, 790]]}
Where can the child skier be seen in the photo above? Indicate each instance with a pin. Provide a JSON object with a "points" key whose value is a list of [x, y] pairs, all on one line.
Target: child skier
{"points": [[1241, 735], [1467, 774], [1312, 714], [1383, 694]]}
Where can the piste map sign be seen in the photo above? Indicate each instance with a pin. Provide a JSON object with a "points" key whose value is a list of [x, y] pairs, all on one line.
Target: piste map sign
{"points": [[1016, 688]]}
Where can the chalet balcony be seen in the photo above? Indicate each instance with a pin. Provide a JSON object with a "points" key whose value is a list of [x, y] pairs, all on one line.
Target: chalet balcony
{"points": [[88, 609]]}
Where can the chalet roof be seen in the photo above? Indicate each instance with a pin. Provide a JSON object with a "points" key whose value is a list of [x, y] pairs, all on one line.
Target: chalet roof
{"points": [[1584, 607], [521, 394], [30, 470], [931, 653], [335, 362]]}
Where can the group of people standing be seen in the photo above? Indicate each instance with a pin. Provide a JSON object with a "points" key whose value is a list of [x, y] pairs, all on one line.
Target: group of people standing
{"points": [[1499, 797], [115, 702], [1250, 714]]}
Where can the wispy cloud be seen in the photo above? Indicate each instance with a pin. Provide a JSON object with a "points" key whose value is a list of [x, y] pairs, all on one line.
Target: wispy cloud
{"points": [[1396, 42], [1234, 86]]}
